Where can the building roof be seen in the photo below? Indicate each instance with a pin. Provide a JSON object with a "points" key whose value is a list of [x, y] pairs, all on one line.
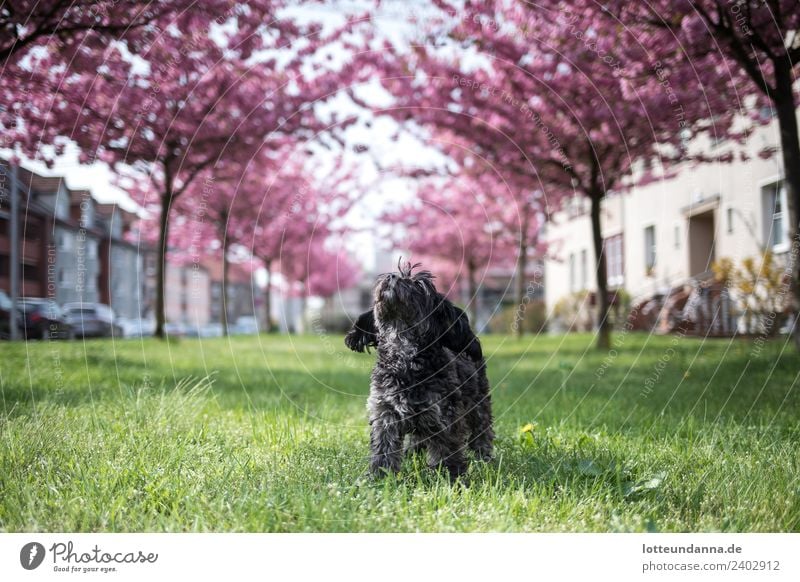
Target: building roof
{"points": [[39, 184], [79, 195], [108, 209]]}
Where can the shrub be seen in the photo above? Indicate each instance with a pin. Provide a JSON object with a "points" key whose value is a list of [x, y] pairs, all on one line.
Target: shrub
{"points": [[531, 318], [760, 287], [578, 311], [332, 322]]}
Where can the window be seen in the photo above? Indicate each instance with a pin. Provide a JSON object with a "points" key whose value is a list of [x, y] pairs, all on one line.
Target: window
{"points": [[116, 225], [729, 220], [31, 231], [87, 213], [775, 222], [30, 272], [576, 206], [64, 241], [62, 204], [584, 275], [572, 282], [615, 262], [649, 248]]}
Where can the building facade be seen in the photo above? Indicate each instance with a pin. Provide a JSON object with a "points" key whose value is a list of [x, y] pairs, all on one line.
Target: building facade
{"points": [[122, 263], [35, 251], [668, 233], [240, 293], [72, 248], [188, 297]]}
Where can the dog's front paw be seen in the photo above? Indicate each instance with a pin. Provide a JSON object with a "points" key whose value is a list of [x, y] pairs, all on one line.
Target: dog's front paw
{"points": [[485, 455], [457, 473], [380, 467]]}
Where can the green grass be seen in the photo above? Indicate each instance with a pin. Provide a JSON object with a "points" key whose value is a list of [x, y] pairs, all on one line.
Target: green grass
{"points": [[664, 434]]}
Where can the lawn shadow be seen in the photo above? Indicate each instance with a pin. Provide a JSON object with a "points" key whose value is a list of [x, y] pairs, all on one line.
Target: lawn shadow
{"points": [[538, 468]]}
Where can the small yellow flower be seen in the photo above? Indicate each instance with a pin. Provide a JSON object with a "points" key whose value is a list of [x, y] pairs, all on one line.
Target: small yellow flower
{"points": [[530, 427]]}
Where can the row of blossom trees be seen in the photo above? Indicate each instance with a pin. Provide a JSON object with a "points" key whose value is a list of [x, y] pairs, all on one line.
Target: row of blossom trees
{"points": [[533, 102], [201, 100], [589, 98], [466, 222]]}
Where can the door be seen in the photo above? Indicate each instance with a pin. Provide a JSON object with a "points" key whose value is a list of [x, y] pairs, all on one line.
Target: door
{"points": [[701, 243]]}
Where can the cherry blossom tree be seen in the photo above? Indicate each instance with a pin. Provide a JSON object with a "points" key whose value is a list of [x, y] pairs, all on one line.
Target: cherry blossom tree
{"points": [[65, 24], [206, 89], [454, 227], [540, 95], [519, 211], [281, 206], [752, 46], [317, 267]]}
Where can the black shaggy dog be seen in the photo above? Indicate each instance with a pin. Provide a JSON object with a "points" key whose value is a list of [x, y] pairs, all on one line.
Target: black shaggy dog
{"points": [[429, 382]]}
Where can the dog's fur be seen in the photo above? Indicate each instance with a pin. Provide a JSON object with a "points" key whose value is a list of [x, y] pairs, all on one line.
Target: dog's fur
{"points": [[429, 382]]}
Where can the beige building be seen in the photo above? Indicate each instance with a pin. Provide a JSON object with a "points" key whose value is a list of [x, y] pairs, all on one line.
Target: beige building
{"points": [[662, 235], [188, 295]]}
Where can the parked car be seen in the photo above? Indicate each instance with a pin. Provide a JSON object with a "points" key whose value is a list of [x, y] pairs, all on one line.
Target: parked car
{"points": [[136, 327], [175, 329], [211, 330], [5, 315], [92, 320], [43, 319], [246, 325]]}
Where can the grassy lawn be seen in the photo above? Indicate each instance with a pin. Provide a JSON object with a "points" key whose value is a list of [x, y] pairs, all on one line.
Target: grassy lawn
{"points": [[270, 434]]}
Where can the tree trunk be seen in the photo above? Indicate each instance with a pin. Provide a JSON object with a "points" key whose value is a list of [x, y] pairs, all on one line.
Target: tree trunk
{"points": [[161, 266], [268, 298], [522, 265], [224, 294], [301, 327], [472, 289], [785, 107], [603, 304]]}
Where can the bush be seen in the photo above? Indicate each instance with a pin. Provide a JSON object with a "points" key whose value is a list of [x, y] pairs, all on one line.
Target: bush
{"points": [[574, 312], [761, 289], [578, 311], [332, 322], [532, 318]]}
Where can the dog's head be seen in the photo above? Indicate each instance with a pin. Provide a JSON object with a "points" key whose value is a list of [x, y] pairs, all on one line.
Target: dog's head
{"points": [[405, 299], [407, 302]]}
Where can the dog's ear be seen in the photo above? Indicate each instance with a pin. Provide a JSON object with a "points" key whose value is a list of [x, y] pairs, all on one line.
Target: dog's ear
{"points": [[363, 334], [454, 331]]}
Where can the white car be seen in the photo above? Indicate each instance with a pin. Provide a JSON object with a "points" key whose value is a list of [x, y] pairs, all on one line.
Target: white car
{"points": [[247, 325], [137, 327]]}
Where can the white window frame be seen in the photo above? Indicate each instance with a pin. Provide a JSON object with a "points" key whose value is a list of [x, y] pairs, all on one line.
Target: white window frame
{"points": [[584, 269], [648, 266], [64, 278], [64, 239], [572, 275], [767, 218], [615, 259]]}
